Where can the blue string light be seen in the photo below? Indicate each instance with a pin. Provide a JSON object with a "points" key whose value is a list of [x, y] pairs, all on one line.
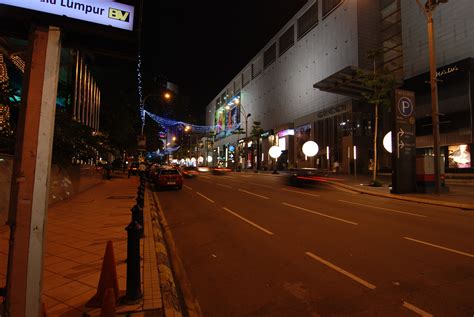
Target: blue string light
{"points": [[169, 123]]}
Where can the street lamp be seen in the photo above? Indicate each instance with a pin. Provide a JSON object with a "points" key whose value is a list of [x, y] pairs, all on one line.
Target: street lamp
{"points": [[428, 9]]}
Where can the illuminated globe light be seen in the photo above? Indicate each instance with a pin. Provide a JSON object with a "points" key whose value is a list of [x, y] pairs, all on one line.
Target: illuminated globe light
{"points": [[193, 159], [200, 160], [387, 142], [209, 159], [310, 148], [274, 152]]}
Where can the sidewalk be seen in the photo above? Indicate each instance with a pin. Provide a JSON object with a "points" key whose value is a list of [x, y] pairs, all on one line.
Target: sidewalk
{"points": [[77, 232]]}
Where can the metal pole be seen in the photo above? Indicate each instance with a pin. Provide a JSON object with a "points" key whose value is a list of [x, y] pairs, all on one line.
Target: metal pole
{"points": [[434, 103]]}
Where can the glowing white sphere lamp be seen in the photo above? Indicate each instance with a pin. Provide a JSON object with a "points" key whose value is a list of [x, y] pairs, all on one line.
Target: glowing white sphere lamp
{"points": [[209, 159], [310, 148], [274, 152], [387, 142]]}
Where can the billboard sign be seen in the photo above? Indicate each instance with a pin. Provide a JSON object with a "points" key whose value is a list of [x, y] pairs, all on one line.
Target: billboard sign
{"points": [[106, 12]]}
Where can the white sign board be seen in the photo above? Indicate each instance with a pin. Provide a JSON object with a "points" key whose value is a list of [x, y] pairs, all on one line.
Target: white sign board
{"points": [[106, 12]]}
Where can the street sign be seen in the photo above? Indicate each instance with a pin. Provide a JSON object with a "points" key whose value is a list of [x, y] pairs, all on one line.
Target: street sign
{"points": [[106, 12], [404, 143]]}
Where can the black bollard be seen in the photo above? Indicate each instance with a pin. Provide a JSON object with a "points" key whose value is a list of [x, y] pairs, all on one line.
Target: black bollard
{"points": [[134, 291], [140, 200], [136, 210]]}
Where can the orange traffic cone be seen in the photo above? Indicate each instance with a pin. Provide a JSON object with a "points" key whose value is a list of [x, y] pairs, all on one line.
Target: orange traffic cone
{"points": [[108, 278], [108, 306]]}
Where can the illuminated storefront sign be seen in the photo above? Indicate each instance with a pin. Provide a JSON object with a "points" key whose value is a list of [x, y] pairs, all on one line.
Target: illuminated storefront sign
{"points": [[286, 132], [459, 156], [106, 12]]}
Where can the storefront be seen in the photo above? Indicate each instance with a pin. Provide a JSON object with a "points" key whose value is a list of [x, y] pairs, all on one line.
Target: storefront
{"points": [[455, 99]]}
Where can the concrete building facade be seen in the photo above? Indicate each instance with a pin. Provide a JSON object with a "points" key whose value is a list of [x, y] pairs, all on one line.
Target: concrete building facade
{"points": [[276, 90]]}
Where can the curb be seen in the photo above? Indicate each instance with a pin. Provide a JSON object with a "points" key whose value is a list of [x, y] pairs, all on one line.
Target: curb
{"points": [[412, 199], [169, 294], [164, 238]]}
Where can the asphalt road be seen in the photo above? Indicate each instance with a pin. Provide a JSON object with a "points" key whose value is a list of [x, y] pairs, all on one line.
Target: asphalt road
{"points": [[252, 246]]}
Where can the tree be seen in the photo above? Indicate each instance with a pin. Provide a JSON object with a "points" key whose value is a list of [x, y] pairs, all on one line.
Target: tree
{"points": [[380, 83]]}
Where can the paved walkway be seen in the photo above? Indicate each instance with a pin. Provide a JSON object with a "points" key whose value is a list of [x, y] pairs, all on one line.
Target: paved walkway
{"points": [[77, 232]]}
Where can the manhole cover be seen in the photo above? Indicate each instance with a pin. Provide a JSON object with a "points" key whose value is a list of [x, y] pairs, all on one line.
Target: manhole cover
{"points": [[121, 197]]}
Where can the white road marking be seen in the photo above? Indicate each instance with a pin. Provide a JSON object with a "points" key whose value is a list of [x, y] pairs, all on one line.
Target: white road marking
{"points": [[417, 310], [187, 187], [300, 192], [250, 193], [341, 189], [205, 197], [320, 214], [268, 186], [248, 221], [440, 247], [337, 268], [388, 209], [223, 185]]}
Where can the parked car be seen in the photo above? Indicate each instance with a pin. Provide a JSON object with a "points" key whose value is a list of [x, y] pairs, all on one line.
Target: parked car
{"points": [[165, 176]]}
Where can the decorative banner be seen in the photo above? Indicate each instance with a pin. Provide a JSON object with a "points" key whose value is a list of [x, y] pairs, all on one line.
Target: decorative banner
{"points": [[106, 12]]}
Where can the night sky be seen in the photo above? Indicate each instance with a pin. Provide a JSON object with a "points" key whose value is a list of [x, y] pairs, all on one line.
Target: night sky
{"points": [[202, 45]]}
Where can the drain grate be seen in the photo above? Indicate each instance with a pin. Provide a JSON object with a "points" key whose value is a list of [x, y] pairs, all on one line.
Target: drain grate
{"points": [[121, 197]]}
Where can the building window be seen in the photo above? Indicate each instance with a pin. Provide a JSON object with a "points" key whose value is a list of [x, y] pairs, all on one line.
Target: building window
{"points": [[257, 67], [329, 5], [308, 20], [391, 32], [287, 40], [269, 56]]}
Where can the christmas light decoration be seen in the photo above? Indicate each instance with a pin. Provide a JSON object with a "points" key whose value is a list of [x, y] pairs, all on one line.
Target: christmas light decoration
{"points": [[18, 62], [167, 123]]}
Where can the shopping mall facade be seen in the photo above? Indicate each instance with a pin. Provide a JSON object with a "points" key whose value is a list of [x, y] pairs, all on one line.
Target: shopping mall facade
{"points": [[301, 86]]}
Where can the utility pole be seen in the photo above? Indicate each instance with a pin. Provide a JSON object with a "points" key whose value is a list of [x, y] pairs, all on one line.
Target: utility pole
{"points": [[428, 9]]}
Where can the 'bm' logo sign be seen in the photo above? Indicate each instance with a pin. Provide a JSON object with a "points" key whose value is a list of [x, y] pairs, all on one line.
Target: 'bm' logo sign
{"points": [[117, 14]]}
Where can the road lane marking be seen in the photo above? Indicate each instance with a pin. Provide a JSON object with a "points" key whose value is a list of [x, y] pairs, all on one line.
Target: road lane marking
{"points": [[417, 310], [300, 192], [340, 270], [320, 214], [261, 185], [382, 208], [341, 189], [250, 193], [212, 201], [185, 186], [440, 247], [227, 186], [248, 221]]}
